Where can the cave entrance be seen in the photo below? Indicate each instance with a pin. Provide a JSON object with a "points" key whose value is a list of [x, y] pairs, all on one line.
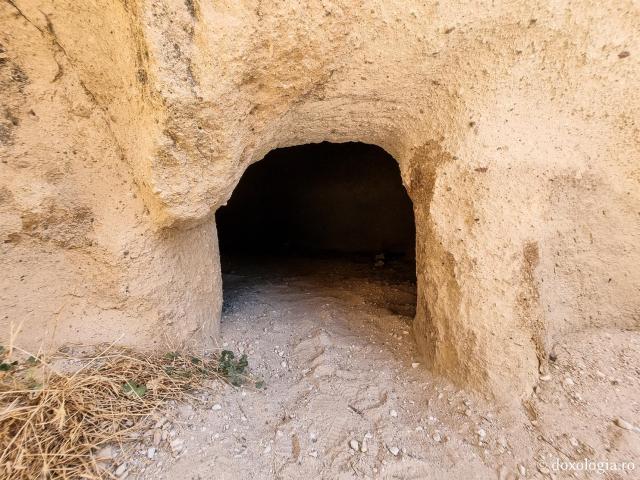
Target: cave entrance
{"points": [[319, 217]]}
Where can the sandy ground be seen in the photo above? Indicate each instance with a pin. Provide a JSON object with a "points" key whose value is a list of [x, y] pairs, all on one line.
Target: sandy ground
{"points": [[347, 397]]}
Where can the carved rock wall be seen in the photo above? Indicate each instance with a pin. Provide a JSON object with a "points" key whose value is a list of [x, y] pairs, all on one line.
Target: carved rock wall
{"points": [[125, 125]]}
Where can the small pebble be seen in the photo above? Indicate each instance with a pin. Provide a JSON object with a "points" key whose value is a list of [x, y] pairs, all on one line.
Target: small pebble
{"points": [[105, 453], [354, 445], [393, 413], [394, 451], [217, 406], [176, 445], [151, 452], [622, 423]]}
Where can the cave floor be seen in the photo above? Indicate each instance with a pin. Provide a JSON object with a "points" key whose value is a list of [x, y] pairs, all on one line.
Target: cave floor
{"points": [[346, 394]]}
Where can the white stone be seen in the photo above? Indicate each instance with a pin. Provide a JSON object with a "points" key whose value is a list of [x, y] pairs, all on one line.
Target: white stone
{"points": [[364, 448], [394, 451], [176, 444], [622, 423], [106, 453]]}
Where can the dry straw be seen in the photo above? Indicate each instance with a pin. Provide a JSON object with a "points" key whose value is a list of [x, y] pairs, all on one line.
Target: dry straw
{"points": [[53, 420]]}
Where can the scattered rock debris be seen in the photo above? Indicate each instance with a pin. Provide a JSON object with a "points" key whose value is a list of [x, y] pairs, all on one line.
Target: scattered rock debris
{"points": [[352, 399]]}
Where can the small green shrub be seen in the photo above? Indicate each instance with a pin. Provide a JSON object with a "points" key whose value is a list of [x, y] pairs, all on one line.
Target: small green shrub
{"points": [[133, 388], [233, 369]]}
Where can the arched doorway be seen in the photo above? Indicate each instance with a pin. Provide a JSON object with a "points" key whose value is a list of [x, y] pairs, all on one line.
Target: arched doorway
{"points": [[317, 208], [320, 199]]}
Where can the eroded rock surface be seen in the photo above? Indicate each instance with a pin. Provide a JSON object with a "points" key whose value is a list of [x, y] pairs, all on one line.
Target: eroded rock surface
{"points": [[125, 125]]}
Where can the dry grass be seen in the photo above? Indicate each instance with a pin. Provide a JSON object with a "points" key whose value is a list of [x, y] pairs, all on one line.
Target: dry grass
{"points": [[53, 419]]}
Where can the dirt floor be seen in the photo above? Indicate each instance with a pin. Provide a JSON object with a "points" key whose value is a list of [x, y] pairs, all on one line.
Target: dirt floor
{"points": [[347, 396]]}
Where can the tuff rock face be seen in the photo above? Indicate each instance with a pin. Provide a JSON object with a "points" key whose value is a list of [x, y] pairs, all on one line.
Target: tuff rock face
{"points": [[124, 125]]}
